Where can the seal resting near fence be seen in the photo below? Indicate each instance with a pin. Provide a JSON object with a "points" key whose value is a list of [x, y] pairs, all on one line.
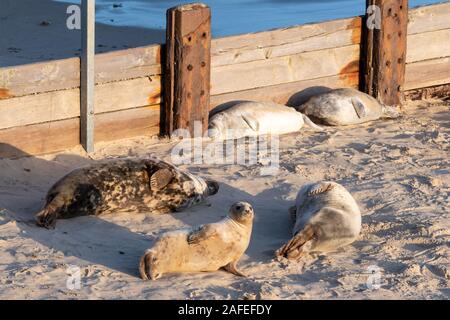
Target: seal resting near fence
{"points": [[326, 217], [123, 184], [206, 248], [251, 118], [345, 106]]}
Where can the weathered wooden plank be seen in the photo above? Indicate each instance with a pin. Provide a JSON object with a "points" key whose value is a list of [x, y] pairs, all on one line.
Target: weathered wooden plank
{"points": [[427, 73], [59, 135], [128, 64], [39, 77], [128, 123], [187, 69], [288, 93], [385, 51], [283, 42], [302, 66], [64, 104], [429, 45], [429, 18], [62, 74]]}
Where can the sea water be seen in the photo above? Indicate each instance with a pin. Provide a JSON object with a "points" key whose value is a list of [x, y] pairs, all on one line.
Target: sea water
{"points": [[231, 17]]}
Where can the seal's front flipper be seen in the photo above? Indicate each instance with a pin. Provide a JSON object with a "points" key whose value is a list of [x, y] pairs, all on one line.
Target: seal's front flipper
{"points": [[232, 268], [160, 179], [359, 107], [201, 233], [251, 122], [320, 187]]}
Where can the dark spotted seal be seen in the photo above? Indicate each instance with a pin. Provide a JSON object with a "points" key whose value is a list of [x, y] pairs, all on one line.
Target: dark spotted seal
{"points": [[123, 184]]}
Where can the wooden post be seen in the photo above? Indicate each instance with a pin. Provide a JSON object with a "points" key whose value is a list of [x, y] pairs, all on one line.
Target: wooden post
{"points": [[87, 77], [384, 50], [187, 67]]}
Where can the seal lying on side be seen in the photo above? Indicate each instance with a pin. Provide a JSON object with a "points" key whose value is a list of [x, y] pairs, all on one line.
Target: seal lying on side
{"points": [[326, 217], [256, 118], [206, 248], [123, 184], [344, 107]]}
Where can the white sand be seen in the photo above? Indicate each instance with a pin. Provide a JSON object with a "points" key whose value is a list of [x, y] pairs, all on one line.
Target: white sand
{"points": [[397, 170]]}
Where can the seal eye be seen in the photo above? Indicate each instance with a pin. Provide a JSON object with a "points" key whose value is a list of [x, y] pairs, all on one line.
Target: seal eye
{"points": [[238, 208]]}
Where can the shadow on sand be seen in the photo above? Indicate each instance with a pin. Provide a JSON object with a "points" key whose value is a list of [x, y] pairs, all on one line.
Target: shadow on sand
{"points": [[98, 241]]}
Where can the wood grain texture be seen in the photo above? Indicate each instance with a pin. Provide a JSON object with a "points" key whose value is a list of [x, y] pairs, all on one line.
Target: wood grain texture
{"points": [[187, 68], [302, 66], [59, 135], [39, 77], [428, 45], [64, 104], [63, 74], [427, 73], [285, 42], [429, 18]]}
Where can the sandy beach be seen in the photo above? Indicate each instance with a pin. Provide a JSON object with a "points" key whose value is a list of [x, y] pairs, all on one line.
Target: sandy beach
{"points": [[397, 170]]}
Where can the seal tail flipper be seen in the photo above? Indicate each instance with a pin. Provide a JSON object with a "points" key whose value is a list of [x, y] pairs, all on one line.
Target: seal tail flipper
{"points": [[390, 112], [232, 268], [311, 124], [47, 217], [294, 248]]}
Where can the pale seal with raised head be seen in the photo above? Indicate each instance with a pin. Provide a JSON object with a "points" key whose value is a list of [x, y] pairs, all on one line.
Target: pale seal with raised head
{"points": [[251, 118], [326, 217], [142, 184], [345, 106], [206, 248]]}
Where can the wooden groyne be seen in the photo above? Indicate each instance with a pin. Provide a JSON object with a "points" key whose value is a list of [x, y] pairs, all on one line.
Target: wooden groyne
{"points": [[40, 102]]}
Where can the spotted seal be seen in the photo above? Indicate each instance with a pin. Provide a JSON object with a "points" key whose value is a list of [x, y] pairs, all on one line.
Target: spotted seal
{"points": [[142, 184]]}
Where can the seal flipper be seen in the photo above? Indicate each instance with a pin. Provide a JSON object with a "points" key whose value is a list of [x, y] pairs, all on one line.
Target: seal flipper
{"points": [[201, 233], [232, 268], [160, 179], [252, 123], [320, 187], [294, 248], [359, 107]]}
